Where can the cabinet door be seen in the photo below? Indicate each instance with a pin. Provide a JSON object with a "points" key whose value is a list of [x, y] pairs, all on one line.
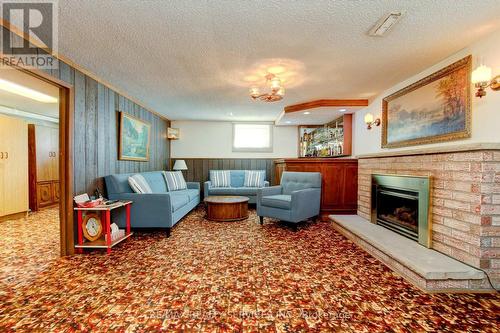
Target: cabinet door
{"points": [[14, 147], [45, 194], [55, 192], [54, 169], [44, 157], [351, 187], [2, 185], [4, 124], [278, 171], [333, 185]]}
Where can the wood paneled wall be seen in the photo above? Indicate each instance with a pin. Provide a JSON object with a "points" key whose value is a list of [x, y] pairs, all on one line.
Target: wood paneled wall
{"points": [[198, 168], [96, 122]]}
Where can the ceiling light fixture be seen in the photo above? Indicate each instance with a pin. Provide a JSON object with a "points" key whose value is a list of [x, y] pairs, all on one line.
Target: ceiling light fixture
{"points": [[343, 110], [307, 112], [26, 92], [385, 24], [273, 92]]}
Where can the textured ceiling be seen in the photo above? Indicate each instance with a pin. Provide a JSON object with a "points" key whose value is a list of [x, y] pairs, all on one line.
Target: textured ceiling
{"points": [[191, 59]]}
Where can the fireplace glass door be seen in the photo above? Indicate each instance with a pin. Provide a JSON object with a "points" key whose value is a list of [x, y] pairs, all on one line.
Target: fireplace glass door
{"points": [[398, 211]]}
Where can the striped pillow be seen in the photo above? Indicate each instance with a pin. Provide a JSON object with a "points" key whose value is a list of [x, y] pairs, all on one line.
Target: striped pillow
{"points": [[220, 178], [139, 184], [254, 178], [175, 180]]}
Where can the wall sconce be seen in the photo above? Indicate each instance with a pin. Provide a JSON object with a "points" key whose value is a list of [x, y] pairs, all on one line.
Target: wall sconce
{"points": [[370, 122], [481, 77]]}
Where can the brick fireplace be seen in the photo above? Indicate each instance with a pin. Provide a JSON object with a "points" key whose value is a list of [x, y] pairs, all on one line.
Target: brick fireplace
{"points": [[465, 200]]}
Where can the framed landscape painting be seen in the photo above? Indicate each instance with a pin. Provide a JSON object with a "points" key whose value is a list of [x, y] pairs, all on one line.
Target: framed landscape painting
{"points": [[134, 138], [173, 133], [434, 109]]}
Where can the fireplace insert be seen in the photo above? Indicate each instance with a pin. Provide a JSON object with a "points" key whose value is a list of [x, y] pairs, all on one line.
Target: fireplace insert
{"points": [[401, 204], [398, 211]]}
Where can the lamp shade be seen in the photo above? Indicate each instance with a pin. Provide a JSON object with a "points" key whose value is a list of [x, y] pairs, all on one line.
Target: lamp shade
{"points": [[481, 74], [281, 92], [368, 118], [275, 83], [254, 92], [180, 165]]}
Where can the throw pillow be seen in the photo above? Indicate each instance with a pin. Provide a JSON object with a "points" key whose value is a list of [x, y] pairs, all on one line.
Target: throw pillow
{"points": [[139, 184], [175, 180], [254, 178], [220, 178]]}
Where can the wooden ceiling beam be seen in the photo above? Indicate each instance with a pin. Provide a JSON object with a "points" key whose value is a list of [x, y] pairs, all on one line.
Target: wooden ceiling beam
{"points": [[325, 103]]}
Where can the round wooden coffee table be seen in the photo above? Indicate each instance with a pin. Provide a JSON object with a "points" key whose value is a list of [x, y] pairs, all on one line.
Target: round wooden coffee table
{"points": [[226, 208]]}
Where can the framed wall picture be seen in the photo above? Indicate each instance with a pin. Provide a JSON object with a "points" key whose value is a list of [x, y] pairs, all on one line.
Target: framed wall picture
{"points": [[434, 109], [173, 133], [135, 135]]}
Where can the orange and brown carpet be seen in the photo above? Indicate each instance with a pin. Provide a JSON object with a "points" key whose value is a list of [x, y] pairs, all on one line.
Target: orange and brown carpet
{"points": [[218, 277]]}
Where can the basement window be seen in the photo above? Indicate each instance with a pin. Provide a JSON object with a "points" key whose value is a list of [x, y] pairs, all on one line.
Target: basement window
{"points": [[252, 137]]}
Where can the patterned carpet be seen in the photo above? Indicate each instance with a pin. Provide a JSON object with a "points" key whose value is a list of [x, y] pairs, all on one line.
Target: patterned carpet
{"points": [[27, 247], [218, 277]]}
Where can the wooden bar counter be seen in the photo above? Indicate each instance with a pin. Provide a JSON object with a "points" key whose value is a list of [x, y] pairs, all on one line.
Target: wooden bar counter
{"points": [[339, 189]]}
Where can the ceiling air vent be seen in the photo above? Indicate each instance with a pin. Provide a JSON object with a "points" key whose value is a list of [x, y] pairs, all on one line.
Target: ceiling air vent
{"points": [[385, 24]]}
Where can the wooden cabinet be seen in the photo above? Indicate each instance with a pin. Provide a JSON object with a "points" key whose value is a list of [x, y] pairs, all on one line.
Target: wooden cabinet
{"points": [[44, 194], [44, 166], [47, 152], [55, 191], [13, 166], [279, 167], [47, 193], [339, 181], [2, 185]]}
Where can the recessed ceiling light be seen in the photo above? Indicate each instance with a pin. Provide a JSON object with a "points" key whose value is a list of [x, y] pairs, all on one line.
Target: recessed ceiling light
{"points": [[343, 110], [288, 122], [26, 92], [385, 24], [231, 114], [307, 112]]}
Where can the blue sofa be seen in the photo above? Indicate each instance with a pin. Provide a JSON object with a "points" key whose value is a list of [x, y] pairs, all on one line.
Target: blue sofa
{"points": [[160, 209], [237, 187], [296, 199]]}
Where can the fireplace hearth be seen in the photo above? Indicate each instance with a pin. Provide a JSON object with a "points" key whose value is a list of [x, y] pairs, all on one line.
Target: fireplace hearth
{"points": [[401, 204]]}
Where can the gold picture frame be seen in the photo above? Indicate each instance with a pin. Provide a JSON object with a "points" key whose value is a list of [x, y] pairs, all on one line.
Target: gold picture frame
{"points": [[133, 144], [173, 133], [456, 109]]}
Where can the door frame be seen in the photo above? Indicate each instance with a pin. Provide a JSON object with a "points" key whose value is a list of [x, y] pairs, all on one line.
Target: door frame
{"points": [[66, 112]]}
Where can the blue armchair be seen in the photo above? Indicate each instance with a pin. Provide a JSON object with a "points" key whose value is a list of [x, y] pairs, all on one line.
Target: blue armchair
{"points": [[296, 199]]}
